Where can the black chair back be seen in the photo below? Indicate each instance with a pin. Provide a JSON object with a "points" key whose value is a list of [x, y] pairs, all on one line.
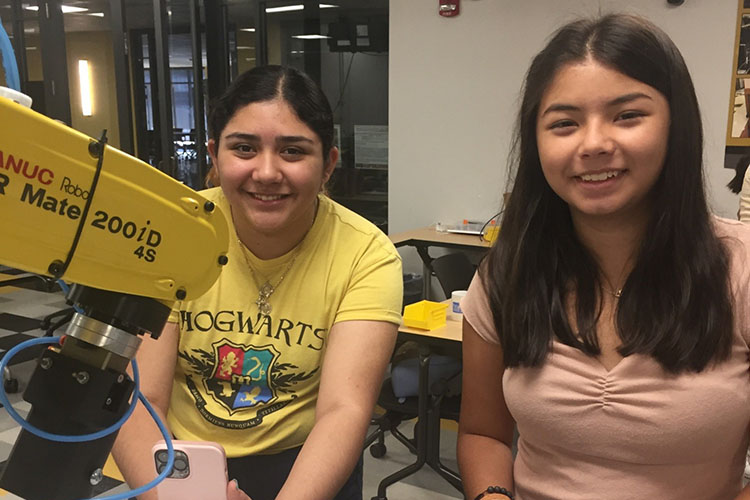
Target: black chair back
{"points": [[454, 271]]}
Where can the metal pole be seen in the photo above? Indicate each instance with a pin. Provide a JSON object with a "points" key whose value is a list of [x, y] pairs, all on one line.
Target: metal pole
{"points": [[122, 75], [261, 35], [198, 104], [54, 61], [164, 87], [19, 42]]}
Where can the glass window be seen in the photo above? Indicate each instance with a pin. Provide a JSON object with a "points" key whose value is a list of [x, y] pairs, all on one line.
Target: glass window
{"points": [[345, 46]]}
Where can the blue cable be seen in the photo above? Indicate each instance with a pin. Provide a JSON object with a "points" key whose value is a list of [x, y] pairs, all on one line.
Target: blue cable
{"points": [[170, 459], [95, 435], [65, 289], [12, 79], [61, 437]]}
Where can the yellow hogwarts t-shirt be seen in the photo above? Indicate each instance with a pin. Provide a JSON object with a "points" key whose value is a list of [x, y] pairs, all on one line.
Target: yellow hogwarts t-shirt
{"points": [[250, 381]]}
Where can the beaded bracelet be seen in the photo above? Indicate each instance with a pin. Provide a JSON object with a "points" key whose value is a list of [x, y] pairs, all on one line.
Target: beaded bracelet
{"points": [[495, 489]]}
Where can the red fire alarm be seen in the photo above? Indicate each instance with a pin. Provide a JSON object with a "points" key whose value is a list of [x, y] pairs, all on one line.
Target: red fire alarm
{"points": [[449, 8]]}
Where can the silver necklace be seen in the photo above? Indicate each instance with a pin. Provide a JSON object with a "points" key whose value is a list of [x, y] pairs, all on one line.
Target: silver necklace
{"points": [[266, 289], [616, 294]]}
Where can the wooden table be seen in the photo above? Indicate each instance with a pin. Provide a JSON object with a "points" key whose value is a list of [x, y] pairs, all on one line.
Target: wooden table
{"points": [[451, 332], [428, 408], [428, 236]]}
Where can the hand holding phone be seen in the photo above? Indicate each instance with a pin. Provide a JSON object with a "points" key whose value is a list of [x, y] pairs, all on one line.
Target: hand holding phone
{"points": [[199, 472], [235, 493]]}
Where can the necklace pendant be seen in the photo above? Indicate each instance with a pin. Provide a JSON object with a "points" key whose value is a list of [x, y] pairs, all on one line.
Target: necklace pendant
{"points": [[266, 289], [264, 308]]}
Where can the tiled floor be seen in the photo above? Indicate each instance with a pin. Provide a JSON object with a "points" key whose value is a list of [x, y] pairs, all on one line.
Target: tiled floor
{"points": [[23, 306]]}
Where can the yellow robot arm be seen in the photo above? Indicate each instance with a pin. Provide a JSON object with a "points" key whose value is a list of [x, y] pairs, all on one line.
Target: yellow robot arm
{"points": [[143, 234], [133, 240]]}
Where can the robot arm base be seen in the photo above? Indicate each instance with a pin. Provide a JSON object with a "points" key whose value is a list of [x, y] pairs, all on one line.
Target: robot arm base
{"points": [[72, 398]]}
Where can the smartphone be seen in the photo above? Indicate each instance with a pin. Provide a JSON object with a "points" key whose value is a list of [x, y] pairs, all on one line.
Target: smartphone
{"points": [[199, 472]]}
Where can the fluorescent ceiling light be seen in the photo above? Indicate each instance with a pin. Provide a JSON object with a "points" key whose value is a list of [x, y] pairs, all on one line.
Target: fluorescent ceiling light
{"points": [[67, 9], [96, 14], [290, 8], [310, 37], [242, 47], [84, 78], [247, 29]]}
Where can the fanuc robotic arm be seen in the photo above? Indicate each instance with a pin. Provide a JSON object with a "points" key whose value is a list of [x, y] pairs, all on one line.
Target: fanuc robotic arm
{"points": [[133, 241]]}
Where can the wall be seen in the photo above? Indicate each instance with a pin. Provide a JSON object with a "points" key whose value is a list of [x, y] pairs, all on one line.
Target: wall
{"points": [[34, 57], [245, 39], [96, 47], [454, 93]]}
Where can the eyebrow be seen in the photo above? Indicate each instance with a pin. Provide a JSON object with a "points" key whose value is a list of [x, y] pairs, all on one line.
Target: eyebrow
{"points": [[623, 99], [284, 139]]}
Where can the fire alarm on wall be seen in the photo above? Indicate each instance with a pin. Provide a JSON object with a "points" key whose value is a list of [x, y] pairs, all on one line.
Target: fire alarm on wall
{"points": [[449, 8]]}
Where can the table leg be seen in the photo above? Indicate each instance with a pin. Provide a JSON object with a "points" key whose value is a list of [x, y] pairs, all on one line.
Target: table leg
{"points": [[428, 434], [424, 254], [421, 427], [433, 445]]}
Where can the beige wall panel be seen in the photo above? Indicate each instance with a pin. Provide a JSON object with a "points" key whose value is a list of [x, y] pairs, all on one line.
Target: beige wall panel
{"points": [[96, 47]]}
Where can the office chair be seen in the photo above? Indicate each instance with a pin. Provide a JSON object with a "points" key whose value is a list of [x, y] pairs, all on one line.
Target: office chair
{"points": [[426, 441], [398, 409], [454, 271], [395, 413]]}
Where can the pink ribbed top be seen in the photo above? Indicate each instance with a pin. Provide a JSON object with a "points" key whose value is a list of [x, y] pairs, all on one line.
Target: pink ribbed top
{"points": [[634, 431]]}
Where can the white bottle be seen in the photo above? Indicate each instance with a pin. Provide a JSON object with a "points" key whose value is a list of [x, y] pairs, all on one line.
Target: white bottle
{"points": [[454, 311]]}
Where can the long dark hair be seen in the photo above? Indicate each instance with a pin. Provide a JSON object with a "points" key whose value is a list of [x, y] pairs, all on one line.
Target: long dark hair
{"points": [[266, 83], [675, 305]]}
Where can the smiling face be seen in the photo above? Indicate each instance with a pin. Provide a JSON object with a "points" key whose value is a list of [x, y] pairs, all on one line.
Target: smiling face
{"points": [[602, 140], [271, 168]]}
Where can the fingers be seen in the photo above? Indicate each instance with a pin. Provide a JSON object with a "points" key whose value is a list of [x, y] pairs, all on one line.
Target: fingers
{"points": [[234, 492]]}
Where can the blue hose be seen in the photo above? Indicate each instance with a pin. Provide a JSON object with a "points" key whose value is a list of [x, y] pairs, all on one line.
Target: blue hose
{"points": [[65, 289], [170, 457], [12, 79], [96, 435], [60, 437]]}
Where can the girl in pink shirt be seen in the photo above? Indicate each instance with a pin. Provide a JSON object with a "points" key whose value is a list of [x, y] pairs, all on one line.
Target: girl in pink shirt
{"points": [[608, 321]]}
